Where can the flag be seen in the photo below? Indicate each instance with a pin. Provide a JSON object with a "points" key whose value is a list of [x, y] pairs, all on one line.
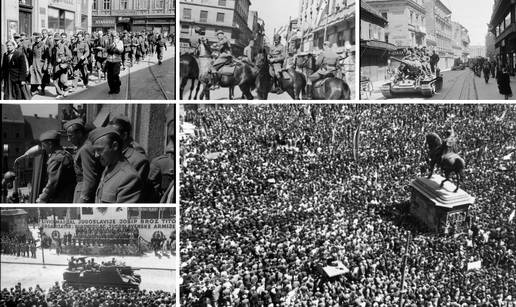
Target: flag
{"points": [[356, 143]]}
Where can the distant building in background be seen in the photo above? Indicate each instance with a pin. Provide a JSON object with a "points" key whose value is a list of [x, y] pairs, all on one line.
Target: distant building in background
{"points": [[256, 25], [477, 51], [134, 15], [28, 16], [333, 18], [503, 26], [230, 16], [439, 27], [374, 47], [460, 41], [490, 46]]}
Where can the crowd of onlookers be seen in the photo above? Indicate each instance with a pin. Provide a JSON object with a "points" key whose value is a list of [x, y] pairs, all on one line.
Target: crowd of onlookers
{"points": [[58, 296], [17, 244], [271, 193], [103, 235]]}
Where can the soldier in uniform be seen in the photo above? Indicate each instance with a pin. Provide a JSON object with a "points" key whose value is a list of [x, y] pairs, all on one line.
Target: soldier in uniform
{"points": [[223, 45], [277, 57], [101, 44], [161, 175], [249, 53], [80, 53], [161, 46], [131, 150], [120, 182], [60, 57], [39, 64], [61, 175], [327, 63], [113, 62], [135, 46], [127, 55], [87, 169]]}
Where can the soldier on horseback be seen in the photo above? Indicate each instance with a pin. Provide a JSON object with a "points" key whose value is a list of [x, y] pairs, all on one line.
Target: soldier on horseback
{"points": [[277, 56], [327, 63], [223, 46]]}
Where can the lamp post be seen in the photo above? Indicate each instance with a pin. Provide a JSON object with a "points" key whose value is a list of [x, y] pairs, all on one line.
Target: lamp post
{"points": [[41, 242]]}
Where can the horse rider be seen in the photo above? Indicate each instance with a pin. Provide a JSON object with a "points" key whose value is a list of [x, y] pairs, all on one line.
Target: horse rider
{"points": [[248, 56], [450, 141], [223, 45], [327, 63], [277, 56], [195, 39]]}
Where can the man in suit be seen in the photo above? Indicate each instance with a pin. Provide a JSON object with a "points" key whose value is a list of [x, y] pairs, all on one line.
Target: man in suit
{"points": [[15, 71], [61, 175], [120, 182]]}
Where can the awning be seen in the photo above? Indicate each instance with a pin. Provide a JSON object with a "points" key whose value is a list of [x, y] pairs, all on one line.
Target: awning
{"points": [[374, 44]]}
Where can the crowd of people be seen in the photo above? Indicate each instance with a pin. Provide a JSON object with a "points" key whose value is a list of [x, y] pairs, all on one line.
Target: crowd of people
{"points": [[19, 245], [31, 63], [271, 193], [91, 297], [104, 235]]}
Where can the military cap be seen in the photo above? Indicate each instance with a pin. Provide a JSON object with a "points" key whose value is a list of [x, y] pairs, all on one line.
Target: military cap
{"points": [[49, 135], [123, 121], [170, 148], [220, 32], [16, 35], [36, 34], [102, 131], [77, 121], [23, 34], [57, 36]]}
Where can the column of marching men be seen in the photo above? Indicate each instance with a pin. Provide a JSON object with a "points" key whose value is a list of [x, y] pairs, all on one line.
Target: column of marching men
{"points": [[17, 245], [105, 165], [30, 64]]}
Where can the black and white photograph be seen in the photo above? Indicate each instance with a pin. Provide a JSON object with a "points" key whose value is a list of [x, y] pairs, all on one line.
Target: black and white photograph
{"points": [[88, 256], [267, 49], [348, 205], [437, 49], [88, 153], [88, 49]]}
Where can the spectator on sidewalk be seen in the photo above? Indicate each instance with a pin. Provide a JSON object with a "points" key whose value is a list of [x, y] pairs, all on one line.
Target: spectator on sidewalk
{"points": [[504, 83]]}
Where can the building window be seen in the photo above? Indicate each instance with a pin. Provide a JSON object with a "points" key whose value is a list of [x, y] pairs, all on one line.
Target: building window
{"points": [[204, 16], [107, 4], [220, 17], [95, 4], [160, 4], [142, 4], [69, 22], [185, 29], [123, 4], [187, 13], [222, 2]]}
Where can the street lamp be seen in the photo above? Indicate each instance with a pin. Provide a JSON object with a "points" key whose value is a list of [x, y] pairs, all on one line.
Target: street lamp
{"points": [[41, 242]]}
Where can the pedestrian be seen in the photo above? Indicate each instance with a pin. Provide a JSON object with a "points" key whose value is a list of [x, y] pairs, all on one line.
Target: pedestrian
{"points": [[101, 45], [14, 73], [80, 55], [61, 176], [434, 60], [487, 71], [113, 63], [161, 46], [504, 83], [120, 182]]}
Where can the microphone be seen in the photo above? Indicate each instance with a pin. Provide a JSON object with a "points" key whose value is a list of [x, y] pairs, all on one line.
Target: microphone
{"points": [[30, 153]]}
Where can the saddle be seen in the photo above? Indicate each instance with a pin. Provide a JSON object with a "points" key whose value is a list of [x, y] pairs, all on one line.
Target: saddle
{"points": [[228, 70]]}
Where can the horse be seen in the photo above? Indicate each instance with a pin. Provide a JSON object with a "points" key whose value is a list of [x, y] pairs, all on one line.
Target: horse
{"points": [[446, 159], [263, 81], [188, 70], [294, 83], [328, 88], [242, 75]]}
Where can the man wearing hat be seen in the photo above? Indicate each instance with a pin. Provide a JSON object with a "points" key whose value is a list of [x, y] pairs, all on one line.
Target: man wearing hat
{"points": [[223, 45], [39, 64], [60, 57], [127, 55], [80, 55], [120, 182], [60, 170], [327, 63], [113, 62], [131, 150], [87, 169], [161, 175], [277, 56]]}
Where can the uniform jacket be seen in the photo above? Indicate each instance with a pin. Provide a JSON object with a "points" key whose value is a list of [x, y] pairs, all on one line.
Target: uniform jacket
{"points": [[60, 51], [88, 171], [327, 61], [161, 174], [277, 53], [61, 178], [80, 49], [120, 184], [138, 161]]}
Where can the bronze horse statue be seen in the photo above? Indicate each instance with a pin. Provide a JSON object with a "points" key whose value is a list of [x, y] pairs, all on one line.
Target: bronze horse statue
{"points": [[242, 75], [263, 82], [444, 156], [328, 88], [188, 70]]}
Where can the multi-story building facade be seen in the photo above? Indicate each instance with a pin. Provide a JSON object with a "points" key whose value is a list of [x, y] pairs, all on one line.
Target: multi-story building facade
{"points": [[477, 51], [134, 15], [326, 20], [407, 21], [230, 16], [439, 27], [503, 26], [28, 16], [460, 41]]}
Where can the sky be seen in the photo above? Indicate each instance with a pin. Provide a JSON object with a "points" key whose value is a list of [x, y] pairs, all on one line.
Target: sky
{"points": [[43, 110], [275, 13], [474, 15]]}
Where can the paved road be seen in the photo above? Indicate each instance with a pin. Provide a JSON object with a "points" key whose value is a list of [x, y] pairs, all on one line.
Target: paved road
{"points": [[223, 94]]}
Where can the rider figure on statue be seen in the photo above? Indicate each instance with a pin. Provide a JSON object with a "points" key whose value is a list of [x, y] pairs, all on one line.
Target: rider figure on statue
{"points": [[277, 56], [450, 141], [327, 63], [223, 45]]}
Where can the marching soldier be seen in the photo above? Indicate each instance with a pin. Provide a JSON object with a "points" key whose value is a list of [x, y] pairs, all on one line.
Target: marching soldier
{"points": [[127, 55], [87, 169], [161, 46], [81, 53], [60, 57], [135, 43], [327, 63], [161, 175], [101, 44], [39, 64], [47, 70], [113, 63], [120, 183], [277, 56], [61, 175]]}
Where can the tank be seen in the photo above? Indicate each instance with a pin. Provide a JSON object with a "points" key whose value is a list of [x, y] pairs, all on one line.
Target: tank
{"points": [[81, 275], [414, 83]]}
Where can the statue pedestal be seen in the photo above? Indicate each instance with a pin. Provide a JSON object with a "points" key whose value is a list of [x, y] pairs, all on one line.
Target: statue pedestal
{"points": [[440, 209]]}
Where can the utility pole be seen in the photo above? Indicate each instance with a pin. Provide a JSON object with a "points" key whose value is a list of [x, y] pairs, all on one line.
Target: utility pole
{"points": [[405, 256]]}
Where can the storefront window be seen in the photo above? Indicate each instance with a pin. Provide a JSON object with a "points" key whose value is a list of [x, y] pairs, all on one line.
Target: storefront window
{"points": [[508, 20], [69, 22], [84, 22], [53, 19]]}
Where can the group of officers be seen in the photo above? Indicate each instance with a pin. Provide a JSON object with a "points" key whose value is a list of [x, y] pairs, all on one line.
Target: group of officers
{"points": [[280, 57], [107, 167], [18, 247], [53, 58]]}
